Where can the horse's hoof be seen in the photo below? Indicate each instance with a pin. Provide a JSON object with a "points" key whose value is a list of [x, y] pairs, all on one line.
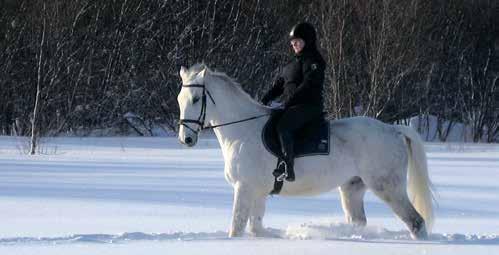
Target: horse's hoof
{"points": [[420, 234], [290, 178]]}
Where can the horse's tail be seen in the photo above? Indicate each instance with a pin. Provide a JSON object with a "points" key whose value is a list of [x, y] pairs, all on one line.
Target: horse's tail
{"points": [[419, 185]]}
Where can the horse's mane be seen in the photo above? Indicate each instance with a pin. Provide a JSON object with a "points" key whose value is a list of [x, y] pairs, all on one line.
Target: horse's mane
{"points": [[222, 76]]}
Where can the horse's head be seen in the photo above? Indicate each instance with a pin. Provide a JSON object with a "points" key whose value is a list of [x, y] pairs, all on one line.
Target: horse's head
{"points": [[197, 105], [192, 101]]}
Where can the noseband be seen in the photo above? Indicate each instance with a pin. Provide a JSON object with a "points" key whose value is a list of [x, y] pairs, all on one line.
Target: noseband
{"points": [[202, 115]]}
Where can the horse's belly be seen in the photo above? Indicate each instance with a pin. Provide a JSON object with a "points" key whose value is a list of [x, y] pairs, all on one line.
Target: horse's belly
{"points": [[309, 187], [299, 189], [315, 176]]}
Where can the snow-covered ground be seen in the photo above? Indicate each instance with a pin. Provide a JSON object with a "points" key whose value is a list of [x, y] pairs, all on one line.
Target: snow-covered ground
{"points": [[152, 196]]}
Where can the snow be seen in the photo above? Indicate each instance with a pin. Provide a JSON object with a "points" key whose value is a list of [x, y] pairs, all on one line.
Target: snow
{"points": [[152, 196]]}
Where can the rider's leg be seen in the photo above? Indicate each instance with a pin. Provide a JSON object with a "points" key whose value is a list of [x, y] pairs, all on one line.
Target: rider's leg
{"points": [[287, 146], [293, 119]]}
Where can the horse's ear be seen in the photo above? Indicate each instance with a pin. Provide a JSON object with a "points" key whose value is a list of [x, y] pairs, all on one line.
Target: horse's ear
{"points": [[183, 71], [202, 74]]}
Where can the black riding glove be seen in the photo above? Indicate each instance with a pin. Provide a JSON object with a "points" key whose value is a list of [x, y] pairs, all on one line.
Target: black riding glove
{"points": [[265, 100], [275, 91]]}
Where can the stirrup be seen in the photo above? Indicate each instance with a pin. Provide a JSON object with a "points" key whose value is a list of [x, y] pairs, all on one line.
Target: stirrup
{"points": [[284, 174]]}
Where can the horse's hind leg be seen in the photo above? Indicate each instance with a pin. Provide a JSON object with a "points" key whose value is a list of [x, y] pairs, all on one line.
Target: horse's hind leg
{"points": [[392, 190], [352, 200]]}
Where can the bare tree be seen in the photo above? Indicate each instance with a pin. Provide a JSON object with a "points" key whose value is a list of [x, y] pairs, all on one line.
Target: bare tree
{"points": [[35, 132]]}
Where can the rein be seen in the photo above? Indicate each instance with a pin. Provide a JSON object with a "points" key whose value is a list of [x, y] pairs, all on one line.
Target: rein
{"points": [[202, 115]]}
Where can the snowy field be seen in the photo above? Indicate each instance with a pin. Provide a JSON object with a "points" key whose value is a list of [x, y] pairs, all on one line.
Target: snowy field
{"points": [[152, 196]]}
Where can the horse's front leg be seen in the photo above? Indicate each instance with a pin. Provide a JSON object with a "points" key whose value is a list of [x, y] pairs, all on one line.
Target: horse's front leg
{"points": [[256, 216], [241, 208]]}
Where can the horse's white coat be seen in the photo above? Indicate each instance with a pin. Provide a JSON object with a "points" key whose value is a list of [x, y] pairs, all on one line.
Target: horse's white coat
{"points": [[365, 153]]}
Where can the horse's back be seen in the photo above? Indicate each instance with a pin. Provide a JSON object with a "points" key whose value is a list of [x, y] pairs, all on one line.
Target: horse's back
{"points": [[369, 139], [359, 126]]}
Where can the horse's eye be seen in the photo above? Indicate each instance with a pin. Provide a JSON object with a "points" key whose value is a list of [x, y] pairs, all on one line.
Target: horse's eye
{"points": [[195, 100]]}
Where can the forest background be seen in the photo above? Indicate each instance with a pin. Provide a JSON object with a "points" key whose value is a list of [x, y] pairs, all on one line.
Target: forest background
{"points": [[73, 67]]}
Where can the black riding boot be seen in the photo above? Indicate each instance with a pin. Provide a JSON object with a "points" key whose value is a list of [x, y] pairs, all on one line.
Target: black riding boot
{"points": [[288, 155], [290, 163]]}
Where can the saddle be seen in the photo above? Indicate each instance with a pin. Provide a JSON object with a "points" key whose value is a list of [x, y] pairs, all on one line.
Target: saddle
{"points": [[313, 139]]}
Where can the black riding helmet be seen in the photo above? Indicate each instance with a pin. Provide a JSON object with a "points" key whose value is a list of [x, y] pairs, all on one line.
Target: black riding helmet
{"points": [[306, 32]]}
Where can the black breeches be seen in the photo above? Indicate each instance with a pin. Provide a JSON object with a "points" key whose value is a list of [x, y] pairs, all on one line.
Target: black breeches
{"points": [[293, 119]]}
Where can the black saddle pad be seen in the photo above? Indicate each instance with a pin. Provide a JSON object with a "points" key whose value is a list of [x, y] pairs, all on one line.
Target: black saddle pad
{"points": [[313, 139]]}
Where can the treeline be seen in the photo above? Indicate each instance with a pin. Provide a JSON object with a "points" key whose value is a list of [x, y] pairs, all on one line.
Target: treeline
{"points": [[76, 66], [396, 59]]}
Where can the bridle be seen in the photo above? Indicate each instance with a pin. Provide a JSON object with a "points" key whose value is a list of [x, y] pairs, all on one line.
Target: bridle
{"points": [[202, 115]]}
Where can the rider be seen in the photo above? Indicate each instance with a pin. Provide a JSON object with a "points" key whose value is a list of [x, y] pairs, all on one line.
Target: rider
{"points": [[300, 87]]}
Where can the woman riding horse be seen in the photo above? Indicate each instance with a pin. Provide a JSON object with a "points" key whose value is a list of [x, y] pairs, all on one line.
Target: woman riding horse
{"points": [[300, 87]]}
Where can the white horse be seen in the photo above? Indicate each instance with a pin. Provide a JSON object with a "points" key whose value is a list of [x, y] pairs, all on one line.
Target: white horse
{"points": [[365, 153]]}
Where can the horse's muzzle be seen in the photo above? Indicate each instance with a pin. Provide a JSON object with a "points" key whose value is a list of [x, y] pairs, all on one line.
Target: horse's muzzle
{"points": [[189, 141]]}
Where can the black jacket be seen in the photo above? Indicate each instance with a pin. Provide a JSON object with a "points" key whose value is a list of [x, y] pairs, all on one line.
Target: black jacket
{"points": [[300, 82]]}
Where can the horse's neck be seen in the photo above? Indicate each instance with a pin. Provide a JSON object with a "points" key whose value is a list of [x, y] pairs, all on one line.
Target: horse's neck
{"points": [[233, 137], [234, 105]]}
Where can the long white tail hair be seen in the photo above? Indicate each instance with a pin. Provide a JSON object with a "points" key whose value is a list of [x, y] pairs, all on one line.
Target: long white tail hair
{"points": [[419, 186]]}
